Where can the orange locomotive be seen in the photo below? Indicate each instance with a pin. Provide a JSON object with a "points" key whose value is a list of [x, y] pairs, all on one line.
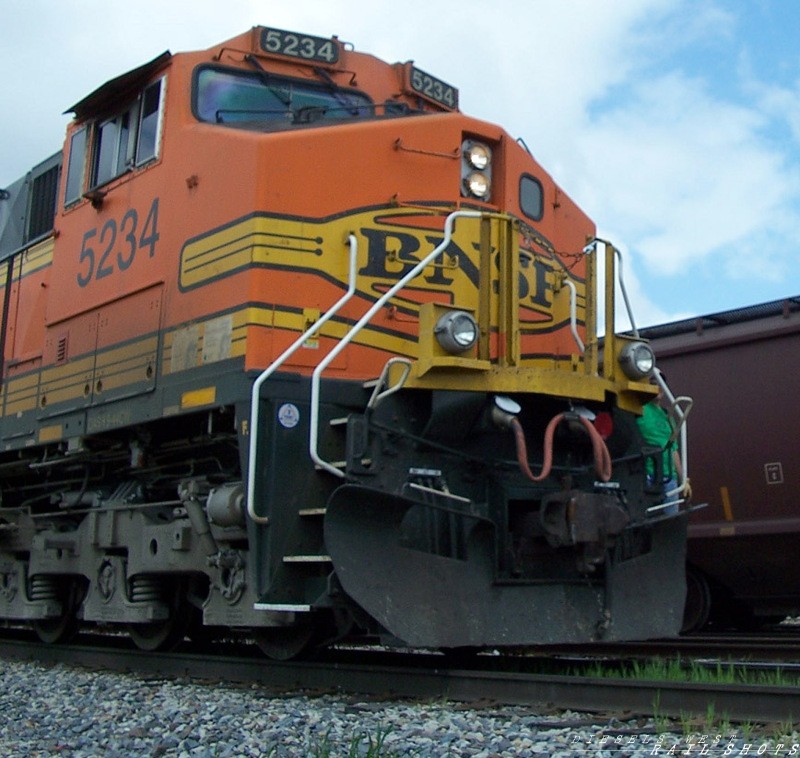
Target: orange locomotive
{"points": [[294, 347]]}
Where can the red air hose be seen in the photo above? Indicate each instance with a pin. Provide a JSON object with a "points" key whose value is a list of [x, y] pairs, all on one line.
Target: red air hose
{"points": [[602, 458]]}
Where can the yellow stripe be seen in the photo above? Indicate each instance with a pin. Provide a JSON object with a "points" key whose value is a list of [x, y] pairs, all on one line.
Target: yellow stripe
{"points": [[726, 503], [50, 433], [205, 396]]}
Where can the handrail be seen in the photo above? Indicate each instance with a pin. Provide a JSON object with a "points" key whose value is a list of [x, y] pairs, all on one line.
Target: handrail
{"points": [[573, 314], [256, 391], [313, 438], [378, 393], [677, 407]]}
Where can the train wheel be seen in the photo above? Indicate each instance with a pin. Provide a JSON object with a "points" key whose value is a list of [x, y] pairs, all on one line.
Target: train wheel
{"points": [[697, 610], [64, 627], [166, 633], [282, 643]]}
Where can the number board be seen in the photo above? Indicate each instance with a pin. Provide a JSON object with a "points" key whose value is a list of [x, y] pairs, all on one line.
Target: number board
{"points": [[303, 46], [432, 88]]}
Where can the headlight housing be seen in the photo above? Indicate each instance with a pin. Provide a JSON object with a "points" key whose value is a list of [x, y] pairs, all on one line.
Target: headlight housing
{"points": [[637, 360], [476, 170], [456, 331]]}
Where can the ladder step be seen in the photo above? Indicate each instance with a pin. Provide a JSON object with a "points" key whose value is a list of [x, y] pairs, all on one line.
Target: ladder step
{"points": [[335, 464], [341, 421], [282, 607], [312, 512], [307, 559]]}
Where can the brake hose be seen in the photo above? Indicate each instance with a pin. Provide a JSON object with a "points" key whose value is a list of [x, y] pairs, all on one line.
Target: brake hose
{"points": [[602, 458]]}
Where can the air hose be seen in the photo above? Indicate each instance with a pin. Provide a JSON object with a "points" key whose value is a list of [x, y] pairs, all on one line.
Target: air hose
{"points": [[602, 458]]}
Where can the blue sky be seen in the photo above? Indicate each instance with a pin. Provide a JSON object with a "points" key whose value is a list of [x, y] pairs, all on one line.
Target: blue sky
{"points": [[674, 123]]}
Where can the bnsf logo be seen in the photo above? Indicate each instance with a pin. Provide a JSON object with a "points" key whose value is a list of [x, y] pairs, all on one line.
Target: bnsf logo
{"points": [[389, 246], [391, 254]]}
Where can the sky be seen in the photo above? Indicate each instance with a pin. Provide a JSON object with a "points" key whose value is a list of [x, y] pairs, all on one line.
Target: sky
{"points": [[674, 124]]}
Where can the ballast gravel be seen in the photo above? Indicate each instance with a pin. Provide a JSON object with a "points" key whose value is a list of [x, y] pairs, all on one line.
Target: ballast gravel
{"points": [[62, 711]]}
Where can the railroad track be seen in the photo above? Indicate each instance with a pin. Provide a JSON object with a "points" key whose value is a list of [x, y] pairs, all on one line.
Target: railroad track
{"points": [[748, 649], [429, 676]]}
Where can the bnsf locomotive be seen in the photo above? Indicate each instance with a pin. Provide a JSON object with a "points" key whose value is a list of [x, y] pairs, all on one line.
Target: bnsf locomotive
{"points": [[295, 349]]}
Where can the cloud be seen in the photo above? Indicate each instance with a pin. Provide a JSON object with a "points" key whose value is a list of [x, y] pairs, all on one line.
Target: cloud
{"points": [[685, 175]]}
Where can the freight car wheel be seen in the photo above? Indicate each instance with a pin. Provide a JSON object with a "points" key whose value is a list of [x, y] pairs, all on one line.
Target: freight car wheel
{"points": [[697, 610]]}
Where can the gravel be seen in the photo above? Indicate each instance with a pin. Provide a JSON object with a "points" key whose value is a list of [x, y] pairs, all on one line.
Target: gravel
{"points": [[62, 711]]}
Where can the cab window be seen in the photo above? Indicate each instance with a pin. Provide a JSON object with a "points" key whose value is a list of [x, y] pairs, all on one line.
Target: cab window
{"points": [[531, 197], [129, 138], [75, 166], [223, 96]]}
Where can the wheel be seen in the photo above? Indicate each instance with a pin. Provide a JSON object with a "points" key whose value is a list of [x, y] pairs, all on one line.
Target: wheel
{"points": [[697, 610], [62, 628], [282, 643], [166, 633]]}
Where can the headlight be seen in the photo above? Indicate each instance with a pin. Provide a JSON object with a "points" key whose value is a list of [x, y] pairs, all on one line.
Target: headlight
{"points": [[476, 170], [456, 331], [477, 185], [637, 360], [477, 155]]}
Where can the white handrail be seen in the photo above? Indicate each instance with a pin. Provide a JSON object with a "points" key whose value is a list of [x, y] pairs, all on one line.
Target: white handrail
{"points": [[255, 394], [624, 291], [621, 281], [573, 314], [313, 437], [677, 406]]}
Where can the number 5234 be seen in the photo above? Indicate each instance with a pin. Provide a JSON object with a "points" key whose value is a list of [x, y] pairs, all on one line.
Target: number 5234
{"points": [[115, 246]]}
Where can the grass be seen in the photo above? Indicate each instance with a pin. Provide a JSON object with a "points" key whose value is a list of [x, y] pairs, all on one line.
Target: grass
{"points": [[677, 670], [362, 745]]}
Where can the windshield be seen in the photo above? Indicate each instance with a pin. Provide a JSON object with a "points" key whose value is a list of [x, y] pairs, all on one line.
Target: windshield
{"points": [[229, 97]]}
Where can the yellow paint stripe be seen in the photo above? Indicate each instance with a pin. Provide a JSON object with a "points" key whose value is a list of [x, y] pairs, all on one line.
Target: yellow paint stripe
{"points": [[50, 433], [726, 503], [195, 398]]}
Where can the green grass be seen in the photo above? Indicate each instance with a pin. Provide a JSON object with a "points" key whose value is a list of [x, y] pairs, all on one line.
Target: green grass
{"points": [[677, 670]]}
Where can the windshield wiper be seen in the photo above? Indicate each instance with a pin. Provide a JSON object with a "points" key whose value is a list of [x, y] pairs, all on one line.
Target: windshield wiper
{"points": [[266, 77], [350, 106]]}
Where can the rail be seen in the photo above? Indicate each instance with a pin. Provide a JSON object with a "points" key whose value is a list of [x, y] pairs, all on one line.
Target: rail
{"points": [[313, 440], [255, 404]]}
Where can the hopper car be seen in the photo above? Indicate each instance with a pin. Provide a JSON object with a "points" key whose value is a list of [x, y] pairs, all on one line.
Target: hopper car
{"points": [[741, 367]]}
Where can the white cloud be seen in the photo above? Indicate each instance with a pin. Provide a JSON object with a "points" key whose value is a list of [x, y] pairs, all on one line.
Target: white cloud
{"points": [[684, 174]]}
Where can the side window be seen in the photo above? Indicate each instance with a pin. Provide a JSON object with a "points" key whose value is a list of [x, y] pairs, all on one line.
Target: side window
{"points": [[112, 147], [531, 197], [129, 138], [149, 123], [75, 167]]}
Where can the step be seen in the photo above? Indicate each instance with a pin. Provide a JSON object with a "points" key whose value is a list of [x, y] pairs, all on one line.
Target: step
{"points": [[308, 512], [307, 559], [282, 607]]}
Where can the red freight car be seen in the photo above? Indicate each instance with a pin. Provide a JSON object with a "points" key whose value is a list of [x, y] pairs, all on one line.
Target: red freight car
{"points": [[742, 367]]}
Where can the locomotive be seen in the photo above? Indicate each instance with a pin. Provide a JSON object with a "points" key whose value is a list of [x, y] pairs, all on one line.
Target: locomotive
{"points": [[295, 350]]}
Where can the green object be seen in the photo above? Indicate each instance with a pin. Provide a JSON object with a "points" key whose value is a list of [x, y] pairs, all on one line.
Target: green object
{"points": [[655, 427]]}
